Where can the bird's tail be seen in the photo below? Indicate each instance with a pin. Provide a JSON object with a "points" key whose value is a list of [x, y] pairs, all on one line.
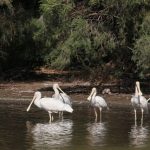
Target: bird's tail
{"points": [[68, 108], [148, 100]]}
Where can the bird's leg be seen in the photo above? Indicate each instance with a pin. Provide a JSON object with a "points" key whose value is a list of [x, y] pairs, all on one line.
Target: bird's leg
{"points": [[50, 117], [95, 114], [135, 114], [62, 115], [142, 117], [135, 118], [59, 114], [100, 109]]}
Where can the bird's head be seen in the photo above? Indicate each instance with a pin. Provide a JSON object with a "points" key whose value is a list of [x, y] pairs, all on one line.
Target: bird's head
{"points": [[56, 86], [91, 94], [37, 94], [137, 83]]}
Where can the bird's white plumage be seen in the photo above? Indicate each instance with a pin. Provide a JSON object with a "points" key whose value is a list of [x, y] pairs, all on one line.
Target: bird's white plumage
{"points": [[49, 104], [97, 102], [61, 96], [139, 101]]}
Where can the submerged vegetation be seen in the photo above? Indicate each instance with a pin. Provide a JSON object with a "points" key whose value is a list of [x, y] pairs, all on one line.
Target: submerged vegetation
{"points": [[103, 37]]}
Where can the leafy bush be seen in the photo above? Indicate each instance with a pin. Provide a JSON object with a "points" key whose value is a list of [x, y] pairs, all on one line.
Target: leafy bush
{"points": [[141, 51]]}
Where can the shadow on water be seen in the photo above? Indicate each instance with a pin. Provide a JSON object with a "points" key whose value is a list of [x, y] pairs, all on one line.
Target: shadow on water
{"points": [[77, 131]]}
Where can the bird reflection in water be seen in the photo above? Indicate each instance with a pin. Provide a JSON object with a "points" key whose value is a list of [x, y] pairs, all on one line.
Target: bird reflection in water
{"points": [[138, 136], [47, 135], [97, 133]]}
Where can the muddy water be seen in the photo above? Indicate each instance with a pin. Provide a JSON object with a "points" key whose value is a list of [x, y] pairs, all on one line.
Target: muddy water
{"points": [[20, 130]]}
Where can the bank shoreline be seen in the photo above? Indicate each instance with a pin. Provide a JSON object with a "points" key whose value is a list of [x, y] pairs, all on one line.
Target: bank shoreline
{"points": [[77, 90]]}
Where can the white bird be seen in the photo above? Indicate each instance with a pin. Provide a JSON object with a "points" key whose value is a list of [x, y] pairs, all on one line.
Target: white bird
{"points": [[106, 91], [97, 102], [51, 105], [61, 96], [139, 101]]}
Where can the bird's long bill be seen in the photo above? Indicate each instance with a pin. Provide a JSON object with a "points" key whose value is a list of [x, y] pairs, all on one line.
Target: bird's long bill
{"points": [[138, 89], [148, 100], [92, 92], [30, 104], [61, 90], [61, 95]]}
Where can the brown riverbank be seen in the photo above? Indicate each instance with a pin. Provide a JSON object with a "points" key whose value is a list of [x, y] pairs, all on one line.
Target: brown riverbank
{"points": [[76, 84], [78, 90]]}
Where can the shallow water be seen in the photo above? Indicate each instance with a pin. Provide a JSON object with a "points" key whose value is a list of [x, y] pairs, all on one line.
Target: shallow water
{"points": [[20, 130]]}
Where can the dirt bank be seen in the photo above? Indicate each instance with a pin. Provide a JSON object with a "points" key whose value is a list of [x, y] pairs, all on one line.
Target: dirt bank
{"points": [[78, 90]]}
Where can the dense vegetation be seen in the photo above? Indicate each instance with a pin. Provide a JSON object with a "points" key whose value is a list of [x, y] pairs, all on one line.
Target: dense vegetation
{"points": [[103, 37]]}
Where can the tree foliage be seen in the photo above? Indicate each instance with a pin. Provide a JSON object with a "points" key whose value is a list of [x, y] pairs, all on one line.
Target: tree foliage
{"points": [[83, 47], [141, 51], [16, 40], [76, 34], [6, 29]]}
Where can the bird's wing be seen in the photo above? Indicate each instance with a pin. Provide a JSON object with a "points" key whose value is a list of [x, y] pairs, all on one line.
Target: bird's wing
{"points": [[53, 96], [100, 101], [148, 100], [51, 104], [135, 101], [65, 98], [144, 103]]}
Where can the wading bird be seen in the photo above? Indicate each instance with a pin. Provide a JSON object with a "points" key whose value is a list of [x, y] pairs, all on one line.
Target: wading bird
{"points": [[139, 101], [97, 102], [51, 105], [63, 97]]}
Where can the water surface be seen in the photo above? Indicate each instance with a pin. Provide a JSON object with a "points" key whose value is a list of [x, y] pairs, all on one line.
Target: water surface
{"points": [[20, 130]]}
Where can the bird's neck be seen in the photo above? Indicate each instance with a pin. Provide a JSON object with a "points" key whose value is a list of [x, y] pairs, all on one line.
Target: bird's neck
{"points": [[94, 95], [138, 91], [37, 101], [56, 93]]}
